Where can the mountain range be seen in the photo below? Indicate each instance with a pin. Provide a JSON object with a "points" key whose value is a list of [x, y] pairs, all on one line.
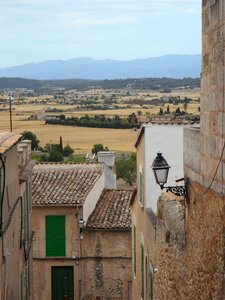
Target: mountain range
{"points": [[171, 66]]}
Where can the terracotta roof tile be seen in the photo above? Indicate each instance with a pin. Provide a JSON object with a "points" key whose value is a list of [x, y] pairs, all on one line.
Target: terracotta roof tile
{"points": [[112, 211], [63, 184]]}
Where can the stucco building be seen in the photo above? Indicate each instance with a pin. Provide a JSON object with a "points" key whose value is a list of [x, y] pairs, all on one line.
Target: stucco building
{"points": [[15, 232], [189, 242], [66, 198], [151, 139], [63, 198], [107, 252]]}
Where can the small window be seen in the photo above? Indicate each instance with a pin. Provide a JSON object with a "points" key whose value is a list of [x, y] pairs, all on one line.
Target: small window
{"points": [[55, 236], [150, 285], [134, 227], [140, 188], [129, 290]]}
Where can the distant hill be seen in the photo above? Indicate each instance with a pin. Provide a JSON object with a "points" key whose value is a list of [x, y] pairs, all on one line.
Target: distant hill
{"points": [[84, 84], [171, 66]]}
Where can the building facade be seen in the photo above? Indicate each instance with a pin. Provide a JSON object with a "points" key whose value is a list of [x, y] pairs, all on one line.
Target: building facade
{"points": [[63, 197], [189, 242], [16, 232], [151, 139], [73, 258], [107, 253]]}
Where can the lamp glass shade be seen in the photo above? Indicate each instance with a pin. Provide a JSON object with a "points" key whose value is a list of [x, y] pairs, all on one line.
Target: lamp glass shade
{"points": [[160, 168], [81, 223]]}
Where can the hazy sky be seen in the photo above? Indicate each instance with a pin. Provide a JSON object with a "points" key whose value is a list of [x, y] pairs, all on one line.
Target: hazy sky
{"points": [[36, 30]]}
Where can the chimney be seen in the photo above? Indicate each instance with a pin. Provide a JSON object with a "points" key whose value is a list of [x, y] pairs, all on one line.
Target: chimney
{"points": [[108, 159]]}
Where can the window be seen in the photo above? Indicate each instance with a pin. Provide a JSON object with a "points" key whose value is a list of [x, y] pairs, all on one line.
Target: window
{"points": [[140, 188], [25, 227], [55, 236], [142, 272], [129, 290], [134, 227], [151, 284]]}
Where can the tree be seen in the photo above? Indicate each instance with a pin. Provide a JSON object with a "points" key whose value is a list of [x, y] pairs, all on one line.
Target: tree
{"points": [[28, 135], [98, 147], [168, 109], [161, 111], [126, 169], [55, 156], [61, 144], [178, 111], [67, 150]]}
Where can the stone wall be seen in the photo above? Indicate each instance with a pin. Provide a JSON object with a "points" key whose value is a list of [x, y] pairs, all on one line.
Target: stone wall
{"points": [[204, 251], [213, 93], [170, 241], [106, 261], [190, 247]]}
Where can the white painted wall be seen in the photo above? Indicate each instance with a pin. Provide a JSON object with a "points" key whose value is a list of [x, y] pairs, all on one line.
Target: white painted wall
{"points": [[168, 139], [93, 196], [110, 177]]}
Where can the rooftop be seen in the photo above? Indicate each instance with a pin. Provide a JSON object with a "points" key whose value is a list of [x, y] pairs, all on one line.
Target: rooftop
{"points": [[8, 140], [112, 211], [63, 184]]}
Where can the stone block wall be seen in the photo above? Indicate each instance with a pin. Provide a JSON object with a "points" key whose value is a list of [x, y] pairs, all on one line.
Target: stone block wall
{"points": [[106, 264], [170, 241], [190, 248], [204, 250], [213, 93]]}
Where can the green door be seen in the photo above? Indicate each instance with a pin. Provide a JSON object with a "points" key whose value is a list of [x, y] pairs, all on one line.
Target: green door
{"points": [[62, 283]]}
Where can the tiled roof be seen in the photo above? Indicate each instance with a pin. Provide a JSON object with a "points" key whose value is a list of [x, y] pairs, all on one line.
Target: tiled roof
{"points": [[63, 184], [8, 140], [112, 211]]}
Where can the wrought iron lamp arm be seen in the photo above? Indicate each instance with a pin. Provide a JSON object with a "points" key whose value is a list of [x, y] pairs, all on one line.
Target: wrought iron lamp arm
{"points": [[177, 190]]}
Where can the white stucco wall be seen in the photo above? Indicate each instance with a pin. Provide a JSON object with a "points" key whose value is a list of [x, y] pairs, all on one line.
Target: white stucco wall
{"points": [[168, 139], [93, 197], [110, 178]]}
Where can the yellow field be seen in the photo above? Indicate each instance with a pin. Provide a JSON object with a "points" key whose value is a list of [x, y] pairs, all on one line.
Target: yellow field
{"points": [[82, 139]]}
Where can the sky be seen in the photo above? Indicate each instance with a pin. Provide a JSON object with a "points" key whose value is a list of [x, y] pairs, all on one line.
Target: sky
{"points": [[38, 30]]}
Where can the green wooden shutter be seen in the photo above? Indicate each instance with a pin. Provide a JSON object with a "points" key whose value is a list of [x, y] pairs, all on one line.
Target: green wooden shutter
{"points": [[141, 188], [134, 249], [142, 272], [55, 236]]}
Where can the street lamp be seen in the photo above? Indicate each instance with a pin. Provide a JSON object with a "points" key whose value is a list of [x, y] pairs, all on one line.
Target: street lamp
{"points": [[160, 169], [81, 222]]}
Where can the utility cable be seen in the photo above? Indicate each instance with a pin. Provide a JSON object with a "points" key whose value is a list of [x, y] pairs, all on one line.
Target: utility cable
{"points": [[214, 176]]}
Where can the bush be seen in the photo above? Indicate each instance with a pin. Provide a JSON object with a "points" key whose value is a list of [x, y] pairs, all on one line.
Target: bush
{"points": [[126, 169], [55, 156], [68, 151], [98, 147]]}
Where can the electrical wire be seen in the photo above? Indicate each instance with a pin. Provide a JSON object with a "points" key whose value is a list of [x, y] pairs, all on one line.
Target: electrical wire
{"points": [[214, 176]]}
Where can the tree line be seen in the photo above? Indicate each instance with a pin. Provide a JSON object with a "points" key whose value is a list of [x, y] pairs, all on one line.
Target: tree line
{"points": [[132, 83], [97, 121]]}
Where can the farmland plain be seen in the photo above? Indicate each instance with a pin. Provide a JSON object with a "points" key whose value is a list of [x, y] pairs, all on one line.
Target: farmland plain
{"points": [[83, 138]]}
